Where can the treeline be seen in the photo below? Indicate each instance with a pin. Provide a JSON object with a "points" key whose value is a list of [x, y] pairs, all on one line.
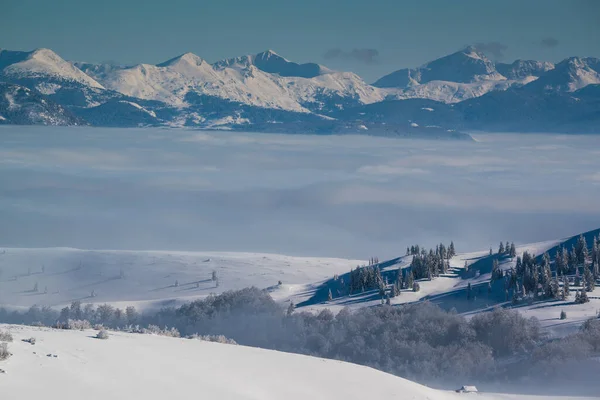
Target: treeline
{"points": [[418, 341]]}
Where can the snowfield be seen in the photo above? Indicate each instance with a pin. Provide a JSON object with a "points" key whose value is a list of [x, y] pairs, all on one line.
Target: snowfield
{"points": [[72, 364], [142, 278]]}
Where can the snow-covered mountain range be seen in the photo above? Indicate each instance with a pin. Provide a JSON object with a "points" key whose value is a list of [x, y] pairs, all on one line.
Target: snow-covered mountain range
{"points": [[266, 92]]}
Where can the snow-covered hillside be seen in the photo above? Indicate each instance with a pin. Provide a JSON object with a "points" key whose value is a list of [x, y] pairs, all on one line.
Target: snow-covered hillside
{"points": [[20, 105], [149, 279], [70, 364], [43, 64], [64, 275]]}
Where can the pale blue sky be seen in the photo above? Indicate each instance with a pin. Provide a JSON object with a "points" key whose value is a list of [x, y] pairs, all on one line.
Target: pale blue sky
{"points": [[402, 33]]}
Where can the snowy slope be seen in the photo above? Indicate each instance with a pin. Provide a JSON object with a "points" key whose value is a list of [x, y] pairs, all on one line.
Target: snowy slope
{"points": [[134, 366], [46, 72], [465, 66], [63, 275], [42, 64]]}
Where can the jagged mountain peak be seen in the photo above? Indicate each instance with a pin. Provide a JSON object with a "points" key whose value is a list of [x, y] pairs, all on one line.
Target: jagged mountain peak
{"points": [[273, 63], [570, 75], [522, 69]]}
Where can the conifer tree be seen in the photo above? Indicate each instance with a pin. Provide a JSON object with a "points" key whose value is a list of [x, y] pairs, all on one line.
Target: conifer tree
{"points": [[399, 278], [495, 270], [566, 289], [590, 282], [501, 248], [410, 279], [513, 251]]}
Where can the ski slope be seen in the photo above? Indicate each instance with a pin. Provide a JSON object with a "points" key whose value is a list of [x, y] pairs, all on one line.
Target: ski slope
{"points": [[135, 366]]}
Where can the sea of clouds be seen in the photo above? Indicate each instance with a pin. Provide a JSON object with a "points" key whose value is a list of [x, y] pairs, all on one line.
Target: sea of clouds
{"points": [[346, 196]]}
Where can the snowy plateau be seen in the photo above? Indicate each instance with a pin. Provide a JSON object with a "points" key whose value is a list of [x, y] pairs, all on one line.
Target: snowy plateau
{"points": [[267, 93]]}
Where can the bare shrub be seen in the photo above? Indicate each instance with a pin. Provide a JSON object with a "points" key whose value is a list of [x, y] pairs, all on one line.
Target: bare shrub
{"points": [[6, 336], [4, 353]]}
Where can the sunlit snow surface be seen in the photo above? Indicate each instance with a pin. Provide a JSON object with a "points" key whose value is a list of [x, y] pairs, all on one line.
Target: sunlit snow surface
{"points": [[134, 366], [337, 196]]}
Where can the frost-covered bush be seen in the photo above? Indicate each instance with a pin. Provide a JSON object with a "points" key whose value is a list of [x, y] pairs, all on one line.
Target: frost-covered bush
{"points": [[77, 324], [507, 332], [563, 314], [5, 336], [213, 338], [102, 334], [4, 353], [156, 330], [590, 330]]}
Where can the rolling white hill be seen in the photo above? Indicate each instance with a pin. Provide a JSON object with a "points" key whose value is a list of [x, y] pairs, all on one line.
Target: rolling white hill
{"points": [[143, 278], [150, 279], [153, 367]]}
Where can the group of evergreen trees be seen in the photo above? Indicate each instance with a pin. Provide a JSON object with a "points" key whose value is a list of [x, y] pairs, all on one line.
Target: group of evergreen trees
{"points": [[441, 250], [539, 280], [433, 263], [424, 265], [366, 278], [507, 249]]}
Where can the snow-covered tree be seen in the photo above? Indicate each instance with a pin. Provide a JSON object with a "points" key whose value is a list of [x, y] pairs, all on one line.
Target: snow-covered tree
{"points": [[501, 248], [495, 270], [590, 282], [512, 251], [566, 290]]}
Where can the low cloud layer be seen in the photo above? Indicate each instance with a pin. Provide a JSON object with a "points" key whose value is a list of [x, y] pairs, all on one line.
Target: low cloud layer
{"points": [[290, 194], [494, 49], [367, 56]]}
